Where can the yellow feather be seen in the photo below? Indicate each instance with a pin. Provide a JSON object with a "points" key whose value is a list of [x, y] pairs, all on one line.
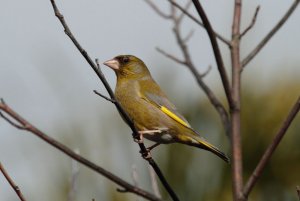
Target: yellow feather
{"points": [[173, 116]]}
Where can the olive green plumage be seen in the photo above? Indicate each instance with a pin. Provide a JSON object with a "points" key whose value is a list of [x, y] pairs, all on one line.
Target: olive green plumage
{"points": [[150, 109]]}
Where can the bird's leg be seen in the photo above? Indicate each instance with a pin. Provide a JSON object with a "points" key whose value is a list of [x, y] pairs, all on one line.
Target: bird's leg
{"points": [[151, 131], [141, 140], [141, 133]]}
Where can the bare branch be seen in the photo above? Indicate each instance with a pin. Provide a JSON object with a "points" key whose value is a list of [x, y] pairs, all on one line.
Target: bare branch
{"points": [[172, 57], [206, 72], [189, 36], [154, 183], [32, 129], [126, 118], [264, 41], [157, 10], [187, 6], [221, 38], [12, 183], [271, 148], [235, 114], [252, 22], [298, 191], [21, 127], [105, 97], [216, 50]]}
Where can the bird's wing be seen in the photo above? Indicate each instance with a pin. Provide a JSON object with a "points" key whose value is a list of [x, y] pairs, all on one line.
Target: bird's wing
{"points": [[156, 97]]}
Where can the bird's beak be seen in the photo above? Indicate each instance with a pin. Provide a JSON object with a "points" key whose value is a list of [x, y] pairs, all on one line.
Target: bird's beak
{"points": [[113, 64]]}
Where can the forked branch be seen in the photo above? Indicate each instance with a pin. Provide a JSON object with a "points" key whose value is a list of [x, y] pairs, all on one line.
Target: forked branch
{"points": [[25, 125], [183, 10], [272, 32], [252, 22]]}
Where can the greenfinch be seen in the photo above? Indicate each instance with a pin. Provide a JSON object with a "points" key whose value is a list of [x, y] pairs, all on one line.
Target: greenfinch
{"points": [[154, 116]]}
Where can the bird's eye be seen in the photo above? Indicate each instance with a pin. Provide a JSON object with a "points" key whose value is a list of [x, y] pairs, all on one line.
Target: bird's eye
{"points": [[125, 59]]}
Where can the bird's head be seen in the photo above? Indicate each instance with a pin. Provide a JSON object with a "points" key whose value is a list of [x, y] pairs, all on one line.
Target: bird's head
{"points": [[128, 66]]}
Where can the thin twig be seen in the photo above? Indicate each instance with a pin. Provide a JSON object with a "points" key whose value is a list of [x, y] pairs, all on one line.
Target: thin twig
{"points": [[105, 97], [172, 57], [207, 71], [216, 50], [32, 129], [271, 148], [12, 183], [252, 22], [10, 121], [188, 36], [157, 10], [298, 191], [145, 153], [272, 32], [219, 36], [186, 8]]}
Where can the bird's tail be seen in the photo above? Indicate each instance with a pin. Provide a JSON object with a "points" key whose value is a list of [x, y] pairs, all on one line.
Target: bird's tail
{"points": [[200, 142]]}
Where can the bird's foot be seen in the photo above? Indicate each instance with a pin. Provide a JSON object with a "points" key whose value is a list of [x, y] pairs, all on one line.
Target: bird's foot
{"points": [[141, 138], [150, 148], [146, 155]]}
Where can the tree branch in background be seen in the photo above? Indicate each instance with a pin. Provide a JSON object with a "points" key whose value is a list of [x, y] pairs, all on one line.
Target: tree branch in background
{"points": [[170, 56], [145, 153], [187, 61], [219, 36], [264, 41], [25, 125], [235, 112], [12, 183], [216, 51], [252, 22], [157, 10], [298, 191], [270, 150]]}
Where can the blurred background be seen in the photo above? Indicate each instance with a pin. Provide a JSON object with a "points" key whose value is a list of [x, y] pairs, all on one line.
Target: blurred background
{"points": [[46, 80]]}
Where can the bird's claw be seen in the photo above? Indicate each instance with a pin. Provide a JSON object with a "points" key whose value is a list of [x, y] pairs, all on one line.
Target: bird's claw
{"points": [[140, 139], [146, 154]]}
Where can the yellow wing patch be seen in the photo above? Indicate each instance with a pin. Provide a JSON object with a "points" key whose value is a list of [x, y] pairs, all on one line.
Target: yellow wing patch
{"points": [[169, 113], [173, 116]]}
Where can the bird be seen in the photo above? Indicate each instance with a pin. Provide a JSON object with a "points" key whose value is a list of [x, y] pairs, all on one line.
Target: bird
{"points": [[153, 115]]}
